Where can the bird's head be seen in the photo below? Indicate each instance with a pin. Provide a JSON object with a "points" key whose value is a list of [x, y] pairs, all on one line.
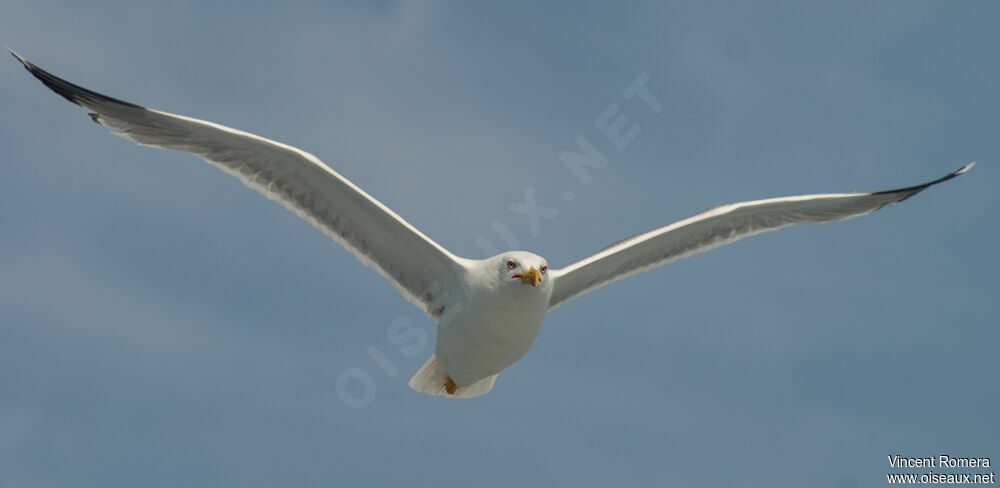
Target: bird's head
{"points": [[522, 268]]}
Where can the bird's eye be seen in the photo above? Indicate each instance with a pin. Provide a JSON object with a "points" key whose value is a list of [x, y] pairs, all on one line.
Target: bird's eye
{"points": [[511, 265], [543, 269]]}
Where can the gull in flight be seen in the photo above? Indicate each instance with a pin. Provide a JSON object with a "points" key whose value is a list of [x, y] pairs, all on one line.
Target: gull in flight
{"points": [[488, 311]]}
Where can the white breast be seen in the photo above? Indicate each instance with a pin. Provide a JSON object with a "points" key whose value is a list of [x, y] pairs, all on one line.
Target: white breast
{"points": [[492, 330]]}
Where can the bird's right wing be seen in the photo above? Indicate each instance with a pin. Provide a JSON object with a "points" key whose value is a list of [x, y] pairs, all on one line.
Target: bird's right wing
{"points": [[420, 269], [713, 228]]}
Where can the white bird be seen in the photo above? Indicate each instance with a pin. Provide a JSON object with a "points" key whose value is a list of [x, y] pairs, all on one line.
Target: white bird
{"points": [[488, 311]]}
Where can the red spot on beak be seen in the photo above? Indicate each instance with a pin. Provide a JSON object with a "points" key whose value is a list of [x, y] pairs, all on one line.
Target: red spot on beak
{"points": [[530, 277]]}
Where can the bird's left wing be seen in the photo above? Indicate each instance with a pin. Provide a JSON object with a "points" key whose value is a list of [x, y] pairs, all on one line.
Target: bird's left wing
{"points": [[713, 228], [419, 268]]}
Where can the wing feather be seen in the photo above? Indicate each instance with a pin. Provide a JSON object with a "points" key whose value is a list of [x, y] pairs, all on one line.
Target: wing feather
{"points": [[422, 271], [713, 228]]}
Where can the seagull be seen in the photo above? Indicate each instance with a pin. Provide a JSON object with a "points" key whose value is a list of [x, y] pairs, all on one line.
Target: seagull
{"points": [[488, 311]]}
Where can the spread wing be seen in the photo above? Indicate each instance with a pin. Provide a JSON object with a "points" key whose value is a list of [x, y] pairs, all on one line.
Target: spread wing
{"points": [[419, 268], [713, 228]]}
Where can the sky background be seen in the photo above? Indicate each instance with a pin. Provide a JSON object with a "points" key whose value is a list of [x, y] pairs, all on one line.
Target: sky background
{"points": [[162, 325]]}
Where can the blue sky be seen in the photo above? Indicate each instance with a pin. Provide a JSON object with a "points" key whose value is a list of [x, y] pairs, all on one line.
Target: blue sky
{"points": [[162, 325]]}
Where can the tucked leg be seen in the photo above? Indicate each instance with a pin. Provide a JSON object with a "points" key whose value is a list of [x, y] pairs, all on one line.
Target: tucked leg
{"points": [[449, 385]]}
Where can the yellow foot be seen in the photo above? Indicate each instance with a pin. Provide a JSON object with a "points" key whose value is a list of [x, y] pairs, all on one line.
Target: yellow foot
{"points": [[449, 385]]}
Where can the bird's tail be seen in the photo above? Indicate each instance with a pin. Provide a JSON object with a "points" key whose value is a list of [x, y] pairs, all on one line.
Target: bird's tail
{"points": [[431, 377]]}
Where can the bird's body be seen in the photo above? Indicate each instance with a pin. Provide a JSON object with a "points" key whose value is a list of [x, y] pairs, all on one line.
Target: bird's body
{"points": [[494, 322], [489, 311]]}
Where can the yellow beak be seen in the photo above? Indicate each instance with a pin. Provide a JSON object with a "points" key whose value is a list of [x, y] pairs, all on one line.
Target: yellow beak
{"points": [[531, 277]]}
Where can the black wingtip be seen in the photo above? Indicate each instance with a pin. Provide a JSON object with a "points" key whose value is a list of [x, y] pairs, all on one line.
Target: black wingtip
{"points": [[913, 190], [56, 84], [74, 93]]}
